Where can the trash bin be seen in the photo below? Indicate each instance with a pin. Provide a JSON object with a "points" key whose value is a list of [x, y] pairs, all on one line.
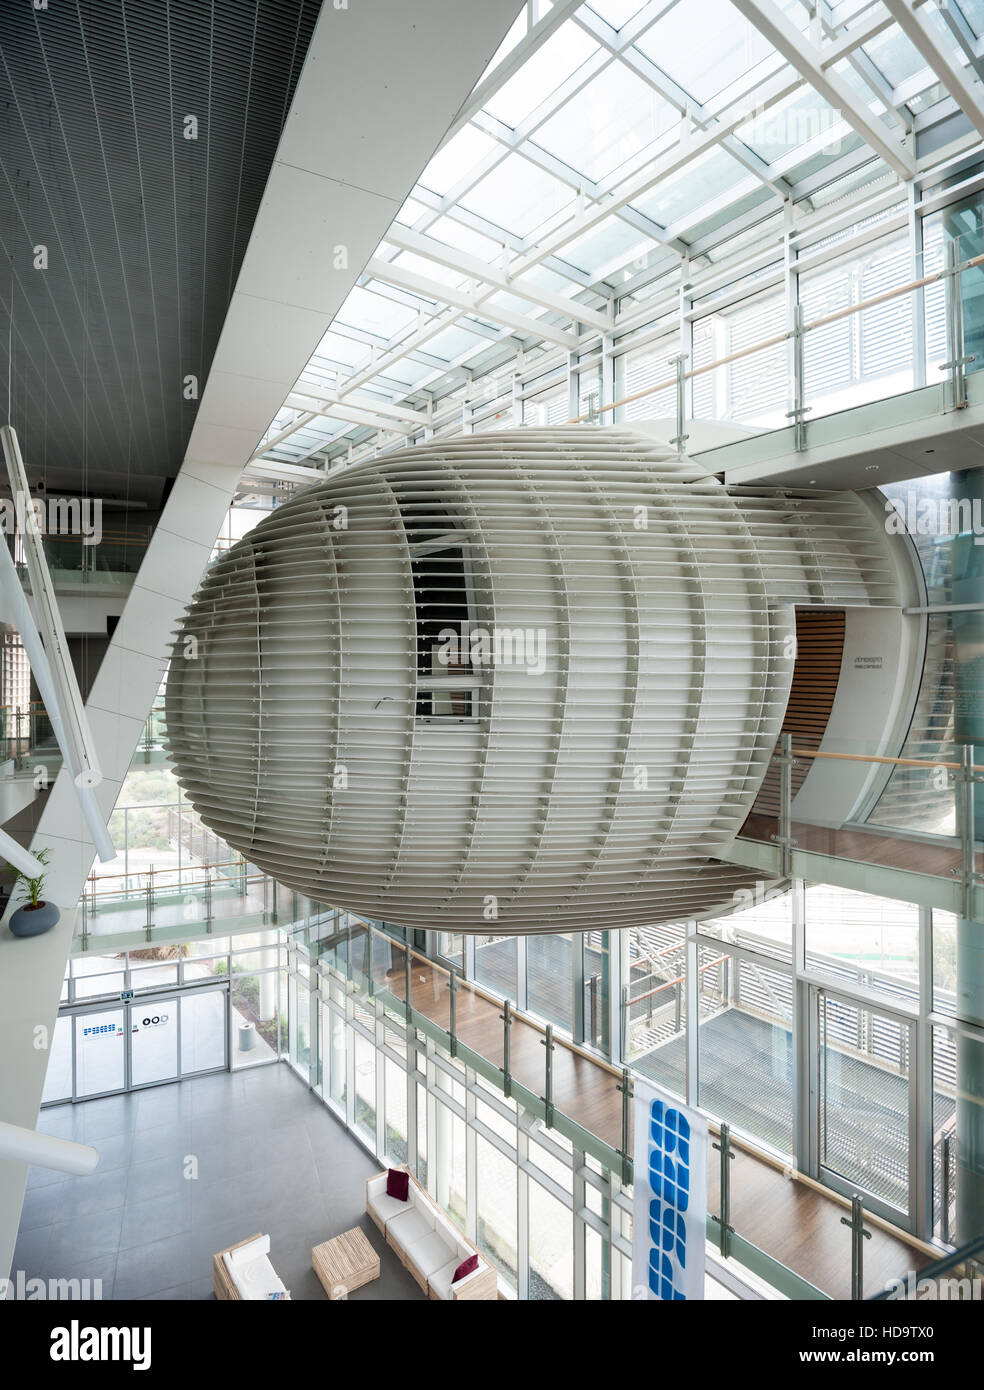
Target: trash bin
{"points": [[247, 1037]]}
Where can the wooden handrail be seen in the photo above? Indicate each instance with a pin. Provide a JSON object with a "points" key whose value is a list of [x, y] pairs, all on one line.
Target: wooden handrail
{"points": [[873, 758], [680, 979]]}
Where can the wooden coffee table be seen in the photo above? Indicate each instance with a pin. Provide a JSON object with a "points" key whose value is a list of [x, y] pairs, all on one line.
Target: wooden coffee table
{"points": [[345, 1263]]}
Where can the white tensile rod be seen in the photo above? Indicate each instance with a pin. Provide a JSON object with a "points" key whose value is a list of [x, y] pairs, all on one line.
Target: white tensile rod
{"points": [[46, 1150], [12, 593], [18, 856], [85, 764]]}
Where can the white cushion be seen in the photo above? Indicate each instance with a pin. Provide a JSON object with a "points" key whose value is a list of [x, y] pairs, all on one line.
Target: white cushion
{"points": [[410, 1226], [440, 1280], [448, 1230], [386, 1207], [429, 1254], [254, 1278], [245, 1254]]}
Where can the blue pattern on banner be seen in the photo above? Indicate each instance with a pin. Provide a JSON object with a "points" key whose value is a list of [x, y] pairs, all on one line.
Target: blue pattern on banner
{"points": [[669, 1183]]}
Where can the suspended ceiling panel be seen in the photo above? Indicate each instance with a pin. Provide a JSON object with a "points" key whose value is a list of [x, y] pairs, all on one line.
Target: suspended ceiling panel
{"points": [[135, 144]]}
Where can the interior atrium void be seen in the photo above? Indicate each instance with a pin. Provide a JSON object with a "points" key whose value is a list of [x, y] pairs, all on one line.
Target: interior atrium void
{"points": [[492, 656]]}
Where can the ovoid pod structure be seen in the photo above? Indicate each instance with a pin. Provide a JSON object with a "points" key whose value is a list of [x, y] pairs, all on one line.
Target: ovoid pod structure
{"points": [[515, 682]]}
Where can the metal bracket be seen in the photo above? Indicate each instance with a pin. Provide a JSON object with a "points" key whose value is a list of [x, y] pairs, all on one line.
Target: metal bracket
{"points": [[625, 1087], [507, 1021], [724, 1220], [548, 1043], [858, 1236]]}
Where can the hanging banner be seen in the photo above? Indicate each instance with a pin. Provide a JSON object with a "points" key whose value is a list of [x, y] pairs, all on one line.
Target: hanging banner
{"points": [[669, 1223]]}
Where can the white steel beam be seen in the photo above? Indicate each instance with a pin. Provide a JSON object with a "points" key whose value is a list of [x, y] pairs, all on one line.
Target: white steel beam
{"points": [[769, 20], [511, 63], [335, 410], [960, 84], [396, 412], [406, 239], [470, 303]]}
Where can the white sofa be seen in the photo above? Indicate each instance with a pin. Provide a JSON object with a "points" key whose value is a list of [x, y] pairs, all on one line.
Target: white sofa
{"points": [[244, 1272], [429, 1245]]}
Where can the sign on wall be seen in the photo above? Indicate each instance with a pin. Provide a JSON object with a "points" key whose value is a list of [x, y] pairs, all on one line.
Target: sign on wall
{"points": [[670, 1214]]}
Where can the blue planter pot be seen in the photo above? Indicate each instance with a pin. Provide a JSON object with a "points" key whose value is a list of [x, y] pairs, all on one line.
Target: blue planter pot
{"points": [[32, 921]]}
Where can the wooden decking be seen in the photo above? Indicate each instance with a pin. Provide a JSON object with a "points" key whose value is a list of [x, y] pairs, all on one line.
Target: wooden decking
{"points": [[788, 1218]]}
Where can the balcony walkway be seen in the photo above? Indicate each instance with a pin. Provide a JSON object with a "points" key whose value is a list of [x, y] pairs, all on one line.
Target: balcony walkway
{"points": [[787, 1218]]}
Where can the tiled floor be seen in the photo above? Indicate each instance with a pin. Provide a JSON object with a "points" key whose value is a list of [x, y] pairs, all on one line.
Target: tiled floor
{"points": [[190, 1168]]}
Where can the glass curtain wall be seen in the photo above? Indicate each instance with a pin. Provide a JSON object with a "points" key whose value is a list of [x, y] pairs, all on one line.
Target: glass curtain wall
{"points": [[541, 1210]]}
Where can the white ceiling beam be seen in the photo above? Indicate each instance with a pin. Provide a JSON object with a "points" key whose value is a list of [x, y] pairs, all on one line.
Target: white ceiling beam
{"points": [[283, 472], [675, 159], [773, 25], [383, 408], [511, 64], [620, 45], [406, 239], [470, 303], [961, 86], [335, 410], [296, 424]]}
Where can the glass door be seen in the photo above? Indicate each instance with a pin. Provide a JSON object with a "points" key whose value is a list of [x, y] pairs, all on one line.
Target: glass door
{"points": [[100, 1052], [865, 1102], [153, 1040], [177, 1035], [204, 1030]]}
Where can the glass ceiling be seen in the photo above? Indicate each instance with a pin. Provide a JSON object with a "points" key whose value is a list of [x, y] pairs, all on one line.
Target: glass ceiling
{"points": [[606, 143]]}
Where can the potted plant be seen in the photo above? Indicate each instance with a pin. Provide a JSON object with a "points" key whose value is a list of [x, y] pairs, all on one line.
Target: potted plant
{"points": [[35, 915]]}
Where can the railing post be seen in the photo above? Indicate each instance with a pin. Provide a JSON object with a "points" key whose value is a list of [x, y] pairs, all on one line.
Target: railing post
{"points": [[85, 923], [858, 1237], [150, 899], [957, 360], [452, 1012], [966, 812], [946, 1177], [724, 1220], [548, 1043], [625, 1086], [370, 973], [784, 837], [681, 436], [207, 900], [506, 1017], [407, 979], [798, 412]]}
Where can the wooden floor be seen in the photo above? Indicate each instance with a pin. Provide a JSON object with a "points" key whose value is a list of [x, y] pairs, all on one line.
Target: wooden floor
{"points": [[788, 1219], [864, 846]]}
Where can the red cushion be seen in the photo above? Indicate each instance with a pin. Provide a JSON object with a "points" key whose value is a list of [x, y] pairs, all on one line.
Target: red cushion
{"points": [[398, 1184], [466, 1267]]}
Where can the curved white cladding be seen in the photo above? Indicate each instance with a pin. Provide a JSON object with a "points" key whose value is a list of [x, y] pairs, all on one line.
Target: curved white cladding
{"points": [[588, 786]]}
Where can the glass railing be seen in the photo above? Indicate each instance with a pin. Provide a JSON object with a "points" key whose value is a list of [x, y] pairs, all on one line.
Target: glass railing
{"points": [[957, 1277], [160, 901], [114, 557], [908, 815], [26, 736], [886, 334]]}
